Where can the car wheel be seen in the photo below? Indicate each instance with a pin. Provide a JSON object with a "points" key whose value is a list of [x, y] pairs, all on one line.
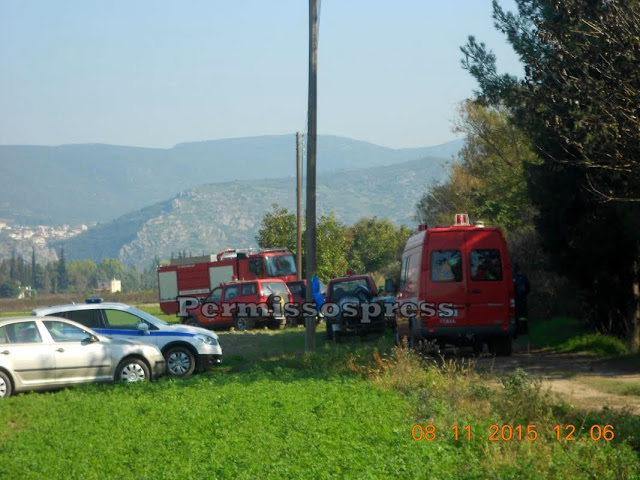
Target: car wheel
{"points": [[132, 370], [192, 321], [5, 385], [242, 324], [180, 361], [330, 332], [278, 324], [291, 322]]}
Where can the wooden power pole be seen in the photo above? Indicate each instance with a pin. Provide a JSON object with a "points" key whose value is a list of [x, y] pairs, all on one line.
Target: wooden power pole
{"points": [[310, 337], [299, 203]]}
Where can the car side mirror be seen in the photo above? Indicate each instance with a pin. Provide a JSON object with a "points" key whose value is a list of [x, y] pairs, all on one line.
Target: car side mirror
{"points": [[91, 339], [389, 285], [144, 328]]}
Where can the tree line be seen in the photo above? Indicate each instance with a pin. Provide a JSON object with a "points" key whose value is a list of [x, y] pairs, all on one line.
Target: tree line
{"points": [[76, 276], [554, 157], [372, 245]]}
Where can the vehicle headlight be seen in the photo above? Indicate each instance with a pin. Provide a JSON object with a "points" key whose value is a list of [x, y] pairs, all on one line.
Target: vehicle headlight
{"points": [[207, 339]]}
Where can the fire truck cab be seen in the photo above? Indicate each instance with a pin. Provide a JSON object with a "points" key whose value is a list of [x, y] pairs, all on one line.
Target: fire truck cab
{"points": [[197, 276], [459, 282]]}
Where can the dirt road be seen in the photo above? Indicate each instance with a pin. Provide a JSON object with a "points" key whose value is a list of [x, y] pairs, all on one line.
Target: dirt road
{"points": [[577, 379]]}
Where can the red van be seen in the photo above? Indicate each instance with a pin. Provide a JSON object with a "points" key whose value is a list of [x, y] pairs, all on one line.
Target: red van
{"points": [[456, 288]]}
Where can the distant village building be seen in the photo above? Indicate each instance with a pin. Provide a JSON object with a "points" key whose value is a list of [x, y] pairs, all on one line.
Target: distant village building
{"points": [[112, 286], [25, 292]]}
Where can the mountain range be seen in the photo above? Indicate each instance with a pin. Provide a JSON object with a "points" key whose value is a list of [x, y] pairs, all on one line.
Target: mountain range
{"points": [[212, 217], [72, 184], [200, 197]]}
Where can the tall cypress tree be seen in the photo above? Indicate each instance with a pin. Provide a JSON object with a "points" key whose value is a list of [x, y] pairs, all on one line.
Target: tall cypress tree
{"points": [[34, 267], [12, 266], [63, 277], [578, 103]]}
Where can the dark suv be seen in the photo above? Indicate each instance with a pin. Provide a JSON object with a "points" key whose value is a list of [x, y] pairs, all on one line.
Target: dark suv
{"points": [[352, 294], [243, 305]]}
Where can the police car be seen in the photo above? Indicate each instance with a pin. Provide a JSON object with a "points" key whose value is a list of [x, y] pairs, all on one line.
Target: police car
{"points": [[185, 348]]}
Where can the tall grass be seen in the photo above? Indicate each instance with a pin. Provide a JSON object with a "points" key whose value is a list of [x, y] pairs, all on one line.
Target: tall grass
{"points": [[594, 344], [448, 393], [571, 335]]}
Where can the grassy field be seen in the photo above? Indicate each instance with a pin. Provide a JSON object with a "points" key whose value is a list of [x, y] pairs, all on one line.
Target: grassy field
{"points": [[347, 411]]}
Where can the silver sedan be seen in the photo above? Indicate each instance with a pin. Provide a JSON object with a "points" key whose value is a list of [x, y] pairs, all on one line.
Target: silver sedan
{"points": [[38, 353]]}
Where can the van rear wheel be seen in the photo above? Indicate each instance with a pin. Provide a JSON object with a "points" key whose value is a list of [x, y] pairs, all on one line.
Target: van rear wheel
{"points": [[501, 346], [414, 337], [478, 347]]}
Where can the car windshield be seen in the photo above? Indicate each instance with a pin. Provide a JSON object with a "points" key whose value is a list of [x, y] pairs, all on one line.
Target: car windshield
{"points": [[280, 265], [275, 287], [296, 288], [146, 316]]}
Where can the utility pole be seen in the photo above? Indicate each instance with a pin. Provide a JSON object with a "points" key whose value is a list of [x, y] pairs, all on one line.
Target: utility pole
{"points": [[299, 202], [310, 337]]}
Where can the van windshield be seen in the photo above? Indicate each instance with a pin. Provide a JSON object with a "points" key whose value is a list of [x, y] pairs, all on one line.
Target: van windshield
{"points": [[281, 265], [446, 266]]}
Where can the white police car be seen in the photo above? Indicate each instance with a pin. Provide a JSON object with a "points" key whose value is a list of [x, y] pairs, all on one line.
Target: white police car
{"points": [[185, 348]]}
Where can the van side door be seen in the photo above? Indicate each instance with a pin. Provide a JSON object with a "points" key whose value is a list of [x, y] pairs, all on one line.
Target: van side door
{"points": [[488, 285], [446, 287]]}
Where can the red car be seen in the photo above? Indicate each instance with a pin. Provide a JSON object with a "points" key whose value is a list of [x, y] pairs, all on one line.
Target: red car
{"points": [[243, 305]]}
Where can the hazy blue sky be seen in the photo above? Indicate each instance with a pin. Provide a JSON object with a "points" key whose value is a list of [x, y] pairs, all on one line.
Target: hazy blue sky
{"points": [[157, 73]]}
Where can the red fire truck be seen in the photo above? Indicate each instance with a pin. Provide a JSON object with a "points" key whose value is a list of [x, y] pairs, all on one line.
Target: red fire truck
{"points": [[197, 276]]}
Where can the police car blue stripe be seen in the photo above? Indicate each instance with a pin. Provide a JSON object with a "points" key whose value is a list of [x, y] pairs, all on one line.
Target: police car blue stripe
{"points": [[114, 331]]}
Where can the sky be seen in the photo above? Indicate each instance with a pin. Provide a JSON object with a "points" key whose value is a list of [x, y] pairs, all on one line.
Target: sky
{"points": [[157, 73]]}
